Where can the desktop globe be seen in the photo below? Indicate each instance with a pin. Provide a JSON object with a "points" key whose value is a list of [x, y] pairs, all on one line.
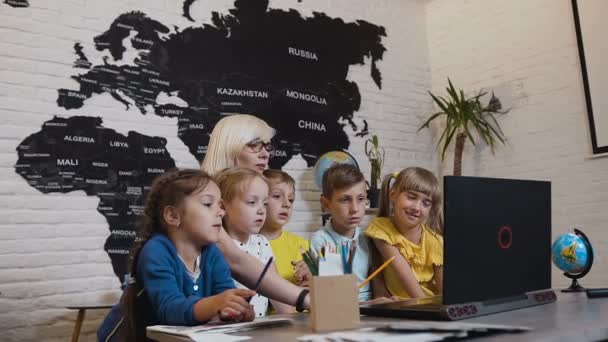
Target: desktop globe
{"points": [[329, 159], [570, 253], [573, 254]]}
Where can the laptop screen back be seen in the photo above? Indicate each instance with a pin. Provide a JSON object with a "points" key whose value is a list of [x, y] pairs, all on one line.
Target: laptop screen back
{"points": [[497, 238]]}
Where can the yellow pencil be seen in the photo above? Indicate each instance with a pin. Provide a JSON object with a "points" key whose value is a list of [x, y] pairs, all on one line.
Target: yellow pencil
{"points": [[375, 273]]}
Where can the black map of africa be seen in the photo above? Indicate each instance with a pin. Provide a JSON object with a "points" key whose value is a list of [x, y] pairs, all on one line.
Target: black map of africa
{"points": [[286, 69], [78, 153]]}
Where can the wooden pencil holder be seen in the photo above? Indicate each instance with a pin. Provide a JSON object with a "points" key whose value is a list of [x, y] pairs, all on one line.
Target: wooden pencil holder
{"points": [[334, 303]]}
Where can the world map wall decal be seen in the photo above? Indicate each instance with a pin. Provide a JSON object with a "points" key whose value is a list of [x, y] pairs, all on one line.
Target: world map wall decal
{"points": [[284, 68], [17, 3]]}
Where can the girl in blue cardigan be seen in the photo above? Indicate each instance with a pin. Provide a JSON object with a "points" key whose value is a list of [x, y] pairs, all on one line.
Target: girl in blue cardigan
{"points": [[178, 275]]}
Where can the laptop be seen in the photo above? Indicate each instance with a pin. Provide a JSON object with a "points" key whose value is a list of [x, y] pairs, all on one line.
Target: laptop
{"points": [[497, 251]]}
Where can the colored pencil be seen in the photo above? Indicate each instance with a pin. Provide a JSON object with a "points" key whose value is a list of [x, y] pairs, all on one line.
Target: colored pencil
{"points": [[351, 256], [309, 260], [344, 252], [375, 273], [257, 284]]}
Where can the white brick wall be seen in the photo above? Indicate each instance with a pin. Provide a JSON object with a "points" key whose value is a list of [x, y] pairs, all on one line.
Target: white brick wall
{"points": [[526, 51], [51, 246]]}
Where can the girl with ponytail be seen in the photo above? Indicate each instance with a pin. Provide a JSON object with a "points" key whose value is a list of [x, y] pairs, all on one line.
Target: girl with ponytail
{"points": [[178, 275], [408, 227]]}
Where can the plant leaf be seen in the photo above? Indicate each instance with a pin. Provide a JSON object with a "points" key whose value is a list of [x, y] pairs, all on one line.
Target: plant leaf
{"points": [[441, 102], [448, 140], [368, 150], [428, 122], [496, 134], [443, 134], [466, 130], [481, 128]]}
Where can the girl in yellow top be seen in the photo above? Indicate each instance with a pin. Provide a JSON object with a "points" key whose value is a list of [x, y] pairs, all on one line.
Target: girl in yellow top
{"points": [[408, 227]]}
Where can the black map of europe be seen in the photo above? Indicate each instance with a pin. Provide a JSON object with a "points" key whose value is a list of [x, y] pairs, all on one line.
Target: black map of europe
{"points": [[287, 69]]}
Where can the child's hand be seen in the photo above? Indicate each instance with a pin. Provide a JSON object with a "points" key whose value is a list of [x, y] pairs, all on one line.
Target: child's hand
{"points": [[234, 303], [231, 316], [302, 273], [248, 315]]}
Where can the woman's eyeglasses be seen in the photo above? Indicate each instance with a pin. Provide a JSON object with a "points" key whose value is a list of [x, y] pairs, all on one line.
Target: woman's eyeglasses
{"points": [[257, 145]]}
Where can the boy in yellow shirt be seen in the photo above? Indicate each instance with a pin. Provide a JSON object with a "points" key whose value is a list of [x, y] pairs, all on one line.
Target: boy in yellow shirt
{"points": [[286, 246]]}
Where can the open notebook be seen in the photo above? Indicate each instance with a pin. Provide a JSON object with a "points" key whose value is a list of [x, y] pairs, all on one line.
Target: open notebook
{"points": [[219, 327]]}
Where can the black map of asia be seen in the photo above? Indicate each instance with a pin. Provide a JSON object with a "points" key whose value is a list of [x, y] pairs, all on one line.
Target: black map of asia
{"points": [[288, 70]]}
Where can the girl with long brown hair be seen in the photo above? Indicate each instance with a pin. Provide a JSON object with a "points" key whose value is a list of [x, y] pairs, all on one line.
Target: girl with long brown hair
{"points": [[178, 275]]}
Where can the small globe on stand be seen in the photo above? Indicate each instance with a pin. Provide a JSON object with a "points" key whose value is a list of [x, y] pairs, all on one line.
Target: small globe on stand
{"points": [[330, 159], [573, 254]]}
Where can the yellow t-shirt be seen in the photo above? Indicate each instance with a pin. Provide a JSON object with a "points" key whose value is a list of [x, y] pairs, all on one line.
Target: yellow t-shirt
{"points": [[422, 258], [286, 248]]}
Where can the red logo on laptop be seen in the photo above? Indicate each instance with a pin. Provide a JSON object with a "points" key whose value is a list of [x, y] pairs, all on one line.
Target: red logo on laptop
{"points": [[505, 237]]}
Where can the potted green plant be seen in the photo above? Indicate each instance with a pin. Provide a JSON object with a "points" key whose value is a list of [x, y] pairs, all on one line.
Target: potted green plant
{"points": [[375, 154], [463, 116]]}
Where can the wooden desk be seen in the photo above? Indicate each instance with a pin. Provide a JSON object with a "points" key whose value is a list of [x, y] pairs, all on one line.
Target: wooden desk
{"points": [[572, 318]]}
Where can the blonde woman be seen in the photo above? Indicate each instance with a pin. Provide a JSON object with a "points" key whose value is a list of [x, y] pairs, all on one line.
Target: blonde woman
{"points": [[239, 140], [244, 140]]}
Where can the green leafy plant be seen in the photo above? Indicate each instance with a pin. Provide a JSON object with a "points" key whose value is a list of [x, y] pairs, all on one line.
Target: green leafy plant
{"points": [[375, 154], [463, 116]]}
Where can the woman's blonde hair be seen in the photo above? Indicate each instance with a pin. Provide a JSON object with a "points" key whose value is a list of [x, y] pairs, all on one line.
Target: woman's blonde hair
{"points": [[414, 179], [228, 138]]}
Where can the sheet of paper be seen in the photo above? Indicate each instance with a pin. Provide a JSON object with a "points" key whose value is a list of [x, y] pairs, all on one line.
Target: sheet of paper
{"points": [[371, 335], [216, 337], [220, 327], [331, 265], [452, 326], [374, 336]]}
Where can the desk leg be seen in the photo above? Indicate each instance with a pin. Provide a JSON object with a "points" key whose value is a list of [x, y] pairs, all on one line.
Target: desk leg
{"points": [[78, 325]]}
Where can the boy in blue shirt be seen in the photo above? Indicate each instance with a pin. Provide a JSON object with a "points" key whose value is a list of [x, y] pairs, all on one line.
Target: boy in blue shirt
{"points": [[344, 197]]}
